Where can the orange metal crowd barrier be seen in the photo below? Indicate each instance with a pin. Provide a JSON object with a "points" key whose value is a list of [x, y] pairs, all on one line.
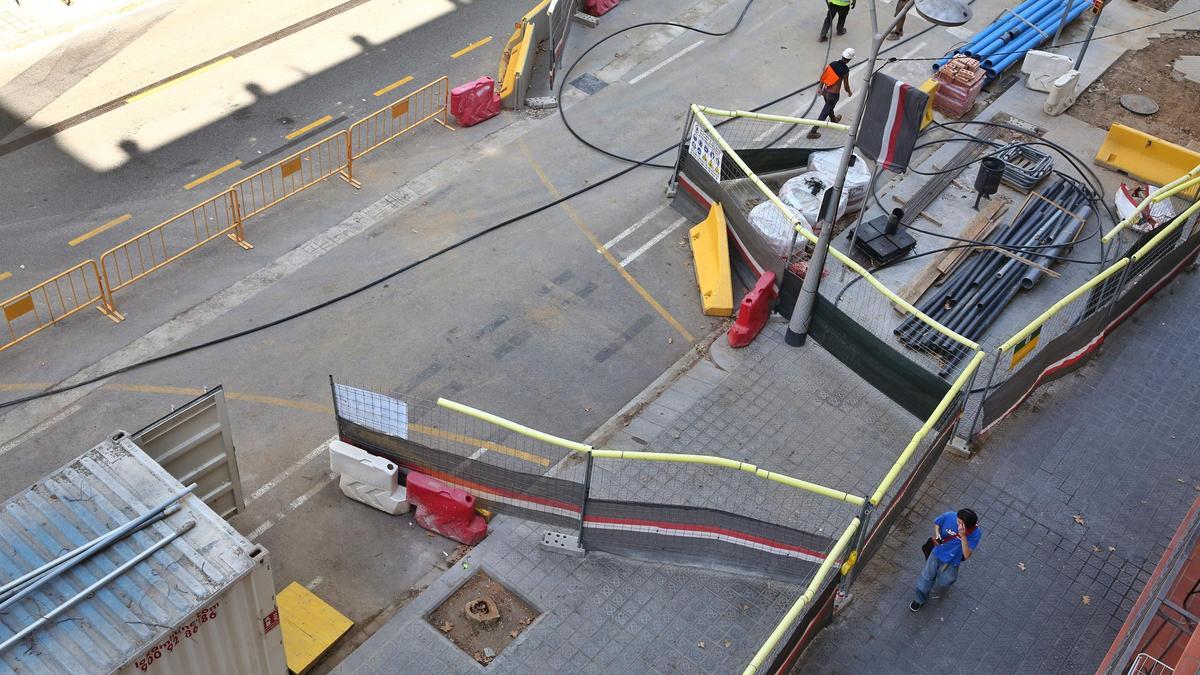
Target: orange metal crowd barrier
{"points": [[294, 174], [32, 311], [170, 240], [430, 102], [94, 283]]}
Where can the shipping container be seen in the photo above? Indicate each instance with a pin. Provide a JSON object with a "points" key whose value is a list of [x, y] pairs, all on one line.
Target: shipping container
{"points": [[203, 604]]}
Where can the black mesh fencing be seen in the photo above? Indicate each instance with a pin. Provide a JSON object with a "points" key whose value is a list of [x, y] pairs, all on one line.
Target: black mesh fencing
{"points": [[506, 472]]}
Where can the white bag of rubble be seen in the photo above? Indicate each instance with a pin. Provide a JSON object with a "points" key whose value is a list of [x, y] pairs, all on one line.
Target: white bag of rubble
{"points": [[776, 229], [858, 176], [804, 193], [1127, 200]]}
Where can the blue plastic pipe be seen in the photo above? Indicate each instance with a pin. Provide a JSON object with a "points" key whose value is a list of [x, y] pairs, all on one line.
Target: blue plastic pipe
{"points": [[1003, 24], [1019, 50], [1000, 41]]}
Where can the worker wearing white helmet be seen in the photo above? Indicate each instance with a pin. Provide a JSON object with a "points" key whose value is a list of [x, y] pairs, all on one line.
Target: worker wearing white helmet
{"points": [[835, 76]]}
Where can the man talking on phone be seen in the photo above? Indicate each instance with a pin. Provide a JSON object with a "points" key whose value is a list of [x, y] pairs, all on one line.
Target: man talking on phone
{"points": [[955, 537]]}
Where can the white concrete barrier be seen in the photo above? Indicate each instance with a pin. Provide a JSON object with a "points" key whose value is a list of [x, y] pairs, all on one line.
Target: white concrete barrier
{"points": [[369, 479]]}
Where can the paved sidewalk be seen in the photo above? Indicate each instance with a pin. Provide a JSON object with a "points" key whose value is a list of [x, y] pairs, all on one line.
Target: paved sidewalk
{"points": [[795, 411], [1114, 445]]}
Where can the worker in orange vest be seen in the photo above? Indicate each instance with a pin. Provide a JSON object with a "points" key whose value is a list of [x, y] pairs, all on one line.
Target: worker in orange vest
{"points": [[835, 76], [838, 8]]}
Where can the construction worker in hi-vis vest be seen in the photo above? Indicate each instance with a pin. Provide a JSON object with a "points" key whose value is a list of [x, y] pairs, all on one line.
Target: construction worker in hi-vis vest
{"points": [[840, 8], [834, 78]]}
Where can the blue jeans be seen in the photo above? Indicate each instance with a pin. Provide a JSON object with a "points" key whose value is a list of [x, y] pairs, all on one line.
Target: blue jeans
{"points": [[935, 573]]}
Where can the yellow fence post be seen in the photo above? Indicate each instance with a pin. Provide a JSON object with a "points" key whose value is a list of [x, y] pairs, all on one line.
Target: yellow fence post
{"points": [[794, 613]]}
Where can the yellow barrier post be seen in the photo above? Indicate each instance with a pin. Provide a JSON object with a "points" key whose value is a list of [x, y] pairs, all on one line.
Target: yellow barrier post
{"points": [[710, 257], [788, 619], [937, 413], [1167, 190], [53, 300], [650, 456]]}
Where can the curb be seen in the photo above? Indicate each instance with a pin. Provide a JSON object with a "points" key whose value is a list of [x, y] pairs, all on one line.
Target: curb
{"points": [[701, 350]]}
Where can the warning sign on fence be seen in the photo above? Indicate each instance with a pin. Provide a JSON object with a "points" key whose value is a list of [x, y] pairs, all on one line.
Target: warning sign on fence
{"points": [[1024, 347], [705, 149]]}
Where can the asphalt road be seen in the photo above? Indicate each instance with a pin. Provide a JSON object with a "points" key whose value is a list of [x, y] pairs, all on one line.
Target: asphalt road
{"points": [[556, 321], [532, 322], [115, 159]]}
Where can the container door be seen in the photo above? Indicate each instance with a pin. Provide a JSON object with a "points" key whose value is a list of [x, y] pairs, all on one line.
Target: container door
{"points": [[195, 445]]}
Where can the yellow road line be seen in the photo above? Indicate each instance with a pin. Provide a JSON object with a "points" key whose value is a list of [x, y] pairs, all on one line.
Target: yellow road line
{"points": [[616, 264], [110, 224], [398, 83], [280, 402], [309, 127], [471, 46], [207, 177], [177, 80], [5, 275], [467, 440]]}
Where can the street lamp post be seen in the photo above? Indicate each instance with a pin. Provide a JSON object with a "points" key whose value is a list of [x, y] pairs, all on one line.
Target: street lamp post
{"points": [[941, 12]]}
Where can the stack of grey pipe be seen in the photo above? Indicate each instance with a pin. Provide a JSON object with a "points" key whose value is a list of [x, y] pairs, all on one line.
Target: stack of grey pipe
{"points": [[983, 285], [1024, 167]]}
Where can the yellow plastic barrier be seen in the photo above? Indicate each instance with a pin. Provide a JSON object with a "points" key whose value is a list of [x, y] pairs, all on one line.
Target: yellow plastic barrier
{"points": [[710, 253], [517, 51], [1145, 157], [170, 240], [929, 87], [377, 129], [296, 173], [29, 312], [514, 58]]}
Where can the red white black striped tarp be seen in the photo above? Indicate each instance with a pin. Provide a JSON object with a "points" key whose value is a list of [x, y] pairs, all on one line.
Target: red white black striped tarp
{"points": [[891, 122]]}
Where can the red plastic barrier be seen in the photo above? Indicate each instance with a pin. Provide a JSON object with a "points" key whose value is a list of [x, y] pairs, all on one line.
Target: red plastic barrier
{"points": [[474, 102], [445, 509], [598, 7], [753, 312]]}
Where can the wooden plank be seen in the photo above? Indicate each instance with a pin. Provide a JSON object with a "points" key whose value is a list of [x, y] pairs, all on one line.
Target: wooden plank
{"points": [[1026, 261], [979, 228], [916, 287]]}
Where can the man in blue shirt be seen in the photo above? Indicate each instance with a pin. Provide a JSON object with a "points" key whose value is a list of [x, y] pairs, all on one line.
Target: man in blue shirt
{"points": [[955, 536]]}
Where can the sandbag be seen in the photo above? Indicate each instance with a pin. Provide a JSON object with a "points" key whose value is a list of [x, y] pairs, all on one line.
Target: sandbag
{"points": [[804, 193], [858, 176], [775, 229]]}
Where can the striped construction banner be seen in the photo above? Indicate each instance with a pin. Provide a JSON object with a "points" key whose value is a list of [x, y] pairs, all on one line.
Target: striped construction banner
{"points": [[704, 537]]}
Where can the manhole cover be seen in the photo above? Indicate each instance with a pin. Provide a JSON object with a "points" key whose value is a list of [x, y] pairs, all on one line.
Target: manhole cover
{"points": [[1136, 103], [482, 617]]}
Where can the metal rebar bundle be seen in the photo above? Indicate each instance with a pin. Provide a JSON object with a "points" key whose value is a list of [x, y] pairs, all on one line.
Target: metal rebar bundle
{"points": [[979, 290]]}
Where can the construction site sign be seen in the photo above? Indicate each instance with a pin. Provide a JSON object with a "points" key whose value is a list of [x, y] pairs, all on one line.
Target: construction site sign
{"points": [[1024, 347], [702, 146]]}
